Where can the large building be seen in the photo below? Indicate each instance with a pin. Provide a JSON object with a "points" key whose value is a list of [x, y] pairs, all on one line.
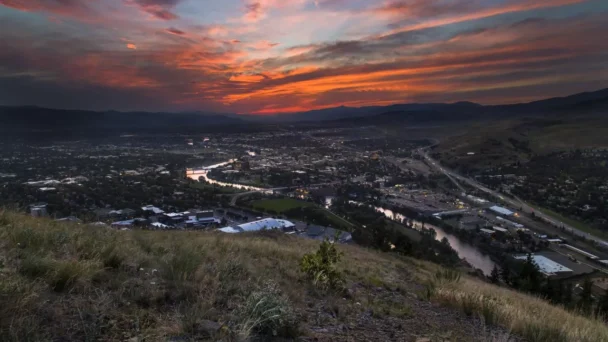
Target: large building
{"points": [[267, 223], [546, 265], [501, 210]]}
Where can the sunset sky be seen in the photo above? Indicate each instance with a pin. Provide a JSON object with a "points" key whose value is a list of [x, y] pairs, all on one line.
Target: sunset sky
{"points": [[271, 56]]}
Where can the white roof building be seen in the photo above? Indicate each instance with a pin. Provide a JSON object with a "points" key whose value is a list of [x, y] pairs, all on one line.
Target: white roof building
{"points": [[152, 209], [159, 225], [501, 210], [546, 265], [267, 223]]}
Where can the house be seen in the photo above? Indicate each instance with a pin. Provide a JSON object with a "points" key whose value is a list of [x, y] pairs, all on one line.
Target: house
{"points": [[38, 210]]}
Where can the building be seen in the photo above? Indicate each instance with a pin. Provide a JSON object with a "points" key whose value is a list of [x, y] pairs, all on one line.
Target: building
{"points": [[547, 266], [600, 286], [510, 223], [501, 210], [471, 223], [267, 223], [73, 219], [322, 233], [38, 210], [500, 229], [153, 209]]}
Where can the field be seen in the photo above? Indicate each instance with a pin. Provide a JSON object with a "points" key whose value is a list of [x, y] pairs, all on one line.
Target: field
{"points": [[574, 223], [280, 205], [283, 205], [82, 283]]}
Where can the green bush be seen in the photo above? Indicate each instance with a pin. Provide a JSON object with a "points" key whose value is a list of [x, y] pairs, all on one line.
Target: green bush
{"points": [[267, 312], [320, 267]]}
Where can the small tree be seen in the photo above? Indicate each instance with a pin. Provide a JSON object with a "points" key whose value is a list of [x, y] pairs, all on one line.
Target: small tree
{"points": [[585, 302], [320, 267], [495, 275], [602, 307], [567, 295]]}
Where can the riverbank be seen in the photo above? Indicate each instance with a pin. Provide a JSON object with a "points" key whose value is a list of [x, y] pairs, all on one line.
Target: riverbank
{"points": [[472, 254]]}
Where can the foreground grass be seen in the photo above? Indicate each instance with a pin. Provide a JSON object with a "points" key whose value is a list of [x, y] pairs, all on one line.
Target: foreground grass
{"points": [[527, 316], [82, 283]]}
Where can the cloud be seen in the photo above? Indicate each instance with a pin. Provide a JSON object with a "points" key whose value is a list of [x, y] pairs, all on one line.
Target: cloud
{"points": [[175, 31], [268, 56], [65, 8], [253, 11], [160, 9]]}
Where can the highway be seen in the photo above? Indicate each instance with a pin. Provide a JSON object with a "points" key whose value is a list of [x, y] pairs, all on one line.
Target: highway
{"points": [[514, 202]]}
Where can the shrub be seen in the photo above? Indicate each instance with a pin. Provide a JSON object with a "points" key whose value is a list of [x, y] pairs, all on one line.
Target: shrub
{"points": [[447, 276], [267, 312], [35, 267], [182, 265], [60, 275], [439, 279], [111, 258], [66, 273], [28, 238], [320, 267]]}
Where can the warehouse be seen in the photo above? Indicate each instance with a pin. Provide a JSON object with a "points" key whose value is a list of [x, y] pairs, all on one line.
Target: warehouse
{"points": [[501, 210], [267, 223]]}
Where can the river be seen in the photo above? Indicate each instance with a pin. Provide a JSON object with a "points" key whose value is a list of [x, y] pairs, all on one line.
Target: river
{"points": [[464, 250], [195, 174]]}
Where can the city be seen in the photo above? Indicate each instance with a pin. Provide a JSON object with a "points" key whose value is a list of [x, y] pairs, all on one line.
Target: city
{"points": [[303, 170]]}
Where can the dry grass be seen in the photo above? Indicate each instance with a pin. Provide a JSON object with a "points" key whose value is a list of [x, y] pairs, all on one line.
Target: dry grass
{"points": [[85, 283], [524, 315]]}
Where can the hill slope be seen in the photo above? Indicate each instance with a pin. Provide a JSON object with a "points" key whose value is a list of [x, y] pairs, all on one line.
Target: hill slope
{"points": [[85, 283], [22, 120]]}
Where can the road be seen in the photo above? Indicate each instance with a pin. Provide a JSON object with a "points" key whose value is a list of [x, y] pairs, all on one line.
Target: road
{"points": [[515, 202]]}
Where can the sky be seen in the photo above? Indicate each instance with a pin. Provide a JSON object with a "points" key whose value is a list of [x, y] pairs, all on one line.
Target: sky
{"points": [[276, 56]]}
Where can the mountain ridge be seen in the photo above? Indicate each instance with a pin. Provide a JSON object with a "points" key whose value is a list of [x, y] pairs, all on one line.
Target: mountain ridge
{"points": [[20, 117]]}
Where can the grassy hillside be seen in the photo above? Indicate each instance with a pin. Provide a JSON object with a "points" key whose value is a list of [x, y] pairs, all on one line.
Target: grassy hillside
{"points": [[500, 142], [83, 283]]}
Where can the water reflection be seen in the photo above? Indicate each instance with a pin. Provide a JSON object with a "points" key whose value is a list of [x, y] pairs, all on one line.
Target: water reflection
{"points": [[196, 174], [463, 249]]}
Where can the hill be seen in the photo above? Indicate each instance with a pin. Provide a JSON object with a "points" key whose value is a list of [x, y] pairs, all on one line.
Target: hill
{"points": [[500, 142], [86, 283], [595, 102], [59, 122]]}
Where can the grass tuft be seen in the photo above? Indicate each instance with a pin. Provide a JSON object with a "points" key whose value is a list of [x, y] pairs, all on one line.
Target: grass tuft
{"points": [[267, 312]]}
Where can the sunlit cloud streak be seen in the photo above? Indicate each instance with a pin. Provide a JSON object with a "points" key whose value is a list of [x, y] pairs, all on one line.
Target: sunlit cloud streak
{"points": [[272, 56]]}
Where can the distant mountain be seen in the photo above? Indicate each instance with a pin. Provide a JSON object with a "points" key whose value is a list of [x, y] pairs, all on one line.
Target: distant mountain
{"points": [[579, 104], [35, 119], [342, 112]]}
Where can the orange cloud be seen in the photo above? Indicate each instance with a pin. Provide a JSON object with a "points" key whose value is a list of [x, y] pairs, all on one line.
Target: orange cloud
{"points": [[131, 46], [485, 13]]}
